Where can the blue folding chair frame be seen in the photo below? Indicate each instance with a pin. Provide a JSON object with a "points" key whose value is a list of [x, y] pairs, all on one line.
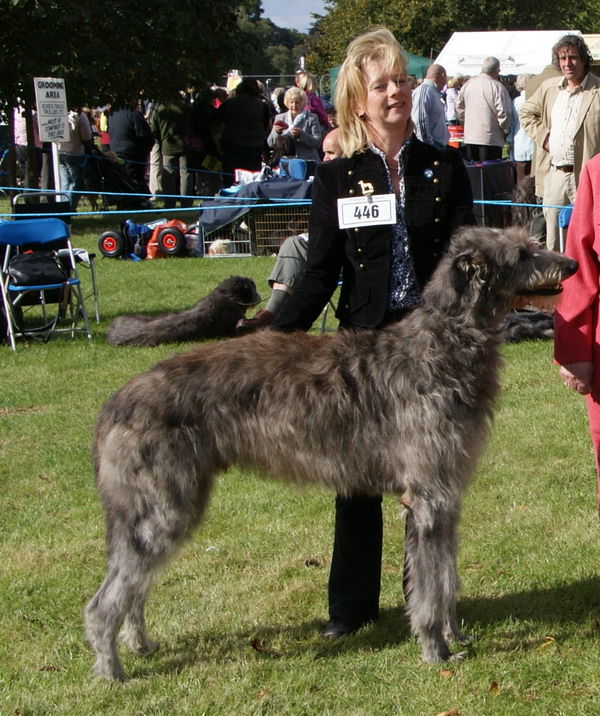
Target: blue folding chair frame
{"points": [[19, 301]]}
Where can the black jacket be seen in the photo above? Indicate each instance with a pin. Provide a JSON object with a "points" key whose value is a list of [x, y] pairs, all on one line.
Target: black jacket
{"points": [[438, 200], [130, 134]]}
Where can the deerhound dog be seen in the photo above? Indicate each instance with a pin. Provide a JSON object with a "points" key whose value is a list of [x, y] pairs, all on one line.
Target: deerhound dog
{"points": [[416, 395], [214, 316]]}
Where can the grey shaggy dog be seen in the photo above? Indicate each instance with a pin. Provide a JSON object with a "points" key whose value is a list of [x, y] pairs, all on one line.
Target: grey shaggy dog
{"points": [[418, 393], [214, 316]]}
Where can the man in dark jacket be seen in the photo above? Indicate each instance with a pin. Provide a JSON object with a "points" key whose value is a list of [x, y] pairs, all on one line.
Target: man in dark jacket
{"points": [[131, 139], [169, 123]]}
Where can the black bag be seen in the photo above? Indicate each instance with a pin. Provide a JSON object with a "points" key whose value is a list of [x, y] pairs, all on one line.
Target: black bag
{"points": [[35, 269]]}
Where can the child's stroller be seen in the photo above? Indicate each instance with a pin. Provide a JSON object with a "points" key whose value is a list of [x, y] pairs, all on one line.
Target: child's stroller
{"points": [[104, 174]]}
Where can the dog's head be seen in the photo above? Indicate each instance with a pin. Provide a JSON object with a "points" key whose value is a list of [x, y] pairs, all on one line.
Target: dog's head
{"points": [[240, 290], [489, 270]]}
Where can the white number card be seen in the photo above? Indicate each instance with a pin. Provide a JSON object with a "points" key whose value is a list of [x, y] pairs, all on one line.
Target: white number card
{"points": [[373, 210]]}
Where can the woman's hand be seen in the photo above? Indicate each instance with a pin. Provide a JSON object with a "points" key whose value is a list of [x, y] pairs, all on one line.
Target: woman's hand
{"points": [[578, 376]]}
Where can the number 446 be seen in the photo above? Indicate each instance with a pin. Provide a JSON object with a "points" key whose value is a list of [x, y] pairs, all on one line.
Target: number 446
{"points": [[366, 211]]}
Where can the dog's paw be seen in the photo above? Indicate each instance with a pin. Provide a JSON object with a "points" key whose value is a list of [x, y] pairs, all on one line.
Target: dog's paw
{"points": [[110, 670], [147, 647], [138, 644], [458, 657], [459, 638]]}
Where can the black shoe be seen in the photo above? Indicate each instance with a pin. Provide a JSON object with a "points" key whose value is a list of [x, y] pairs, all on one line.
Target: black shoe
{"points": [[334, 629]]}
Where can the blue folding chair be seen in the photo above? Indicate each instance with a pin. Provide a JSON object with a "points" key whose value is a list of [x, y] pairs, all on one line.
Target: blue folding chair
{"points": [[41, 289]]}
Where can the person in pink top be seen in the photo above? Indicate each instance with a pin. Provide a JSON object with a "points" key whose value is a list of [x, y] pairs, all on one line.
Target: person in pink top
{"points": [[576, 325]]}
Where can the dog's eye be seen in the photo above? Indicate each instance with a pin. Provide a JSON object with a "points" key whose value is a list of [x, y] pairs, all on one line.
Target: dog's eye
{"points": [[524, 254]]}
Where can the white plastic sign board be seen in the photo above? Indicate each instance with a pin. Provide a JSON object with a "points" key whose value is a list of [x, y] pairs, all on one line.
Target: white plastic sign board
{"points": [[52, 111]]}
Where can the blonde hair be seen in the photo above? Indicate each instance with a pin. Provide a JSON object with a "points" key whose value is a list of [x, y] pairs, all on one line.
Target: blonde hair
{"points": [[295, 93], [305, 81], [376, 45]]}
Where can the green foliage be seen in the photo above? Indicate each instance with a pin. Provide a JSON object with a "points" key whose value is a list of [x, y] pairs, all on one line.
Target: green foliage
{"points": [[424, 26], [239, 612], [116, 50]]}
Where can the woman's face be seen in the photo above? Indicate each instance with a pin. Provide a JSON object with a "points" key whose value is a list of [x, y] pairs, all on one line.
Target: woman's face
{"points": [[388, 102], [295, 105]]}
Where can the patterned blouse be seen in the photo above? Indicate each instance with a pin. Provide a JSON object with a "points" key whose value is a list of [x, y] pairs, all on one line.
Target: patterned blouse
{"points": [[403, 292]]}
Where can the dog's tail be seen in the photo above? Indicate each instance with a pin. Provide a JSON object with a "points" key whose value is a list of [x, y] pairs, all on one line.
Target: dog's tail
{"points": [[130, 331]]}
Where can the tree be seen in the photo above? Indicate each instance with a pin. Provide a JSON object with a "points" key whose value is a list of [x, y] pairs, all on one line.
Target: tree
{"points": [[111, 51], [424, 26]]}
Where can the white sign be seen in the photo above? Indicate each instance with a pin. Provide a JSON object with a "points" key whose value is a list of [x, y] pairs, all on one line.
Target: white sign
{"points": [[374, 210], [52, 110]]}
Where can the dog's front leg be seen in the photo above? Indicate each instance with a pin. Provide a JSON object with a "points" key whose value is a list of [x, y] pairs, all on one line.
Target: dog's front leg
{"points": [[431, 581]]}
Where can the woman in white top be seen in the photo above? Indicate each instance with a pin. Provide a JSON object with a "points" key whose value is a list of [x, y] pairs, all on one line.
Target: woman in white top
{"points": [[299, 123]]}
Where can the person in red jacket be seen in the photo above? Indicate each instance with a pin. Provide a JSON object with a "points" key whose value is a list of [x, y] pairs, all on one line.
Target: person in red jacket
{"points": [[576, 326]]}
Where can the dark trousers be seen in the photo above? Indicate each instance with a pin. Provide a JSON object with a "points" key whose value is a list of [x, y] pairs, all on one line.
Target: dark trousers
{"points": [[482, 152], [355, 576], [238, 156]]}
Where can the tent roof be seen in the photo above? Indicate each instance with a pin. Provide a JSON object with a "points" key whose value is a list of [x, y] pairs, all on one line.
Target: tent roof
{"points": [[519, 51]]}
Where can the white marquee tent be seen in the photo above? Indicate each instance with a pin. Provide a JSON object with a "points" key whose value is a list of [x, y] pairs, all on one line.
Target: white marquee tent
{"points": [[519, 51]]}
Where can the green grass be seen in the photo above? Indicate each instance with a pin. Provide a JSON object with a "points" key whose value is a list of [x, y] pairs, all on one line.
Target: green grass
{"points": [[238, 614]]}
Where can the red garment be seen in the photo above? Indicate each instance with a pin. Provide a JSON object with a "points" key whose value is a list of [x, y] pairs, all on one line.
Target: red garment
{"points": [[576, 326]]}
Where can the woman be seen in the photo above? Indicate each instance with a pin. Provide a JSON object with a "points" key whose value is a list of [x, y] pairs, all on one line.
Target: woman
{"points": [[383, 266], [576, 322], [303, 126], [314, 103], [452, 90], [71, 156]]}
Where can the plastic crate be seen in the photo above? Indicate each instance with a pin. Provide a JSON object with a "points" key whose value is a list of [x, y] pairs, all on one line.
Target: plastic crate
{"points": [[270, 226]]}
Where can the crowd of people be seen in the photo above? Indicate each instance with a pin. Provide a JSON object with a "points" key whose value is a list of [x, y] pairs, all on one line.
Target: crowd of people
{"points": [[187, 145]]}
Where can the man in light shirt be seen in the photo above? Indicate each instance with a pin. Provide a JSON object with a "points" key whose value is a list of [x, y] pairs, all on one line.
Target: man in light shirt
{"points": [[429, 111], [563, 119], [484, 109]]}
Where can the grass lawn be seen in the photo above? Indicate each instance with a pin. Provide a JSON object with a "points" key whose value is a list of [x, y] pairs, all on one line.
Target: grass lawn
{"points": [[238, 614]]}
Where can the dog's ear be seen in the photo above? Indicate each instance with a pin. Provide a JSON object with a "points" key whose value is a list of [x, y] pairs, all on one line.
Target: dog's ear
{"points": [[469, 269]]}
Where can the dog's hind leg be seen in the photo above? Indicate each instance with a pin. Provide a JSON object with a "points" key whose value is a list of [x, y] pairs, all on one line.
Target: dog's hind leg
{"points": [[146, 525], [104, 615], [134, 633], [431, 581], [132, 570]]}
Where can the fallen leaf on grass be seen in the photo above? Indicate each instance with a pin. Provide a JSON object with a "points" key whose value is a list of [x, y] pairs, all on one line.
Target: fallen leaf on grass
{"points": [[446, 673], [451, 712], [549, 641], [391, 570], [494, 688], [258, 646]]}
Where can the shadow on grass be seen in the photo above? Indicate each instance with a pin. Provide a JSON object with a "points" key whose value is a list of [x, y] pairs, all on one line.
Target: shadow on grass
{"points": [[568, 603], [562, 608]]}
